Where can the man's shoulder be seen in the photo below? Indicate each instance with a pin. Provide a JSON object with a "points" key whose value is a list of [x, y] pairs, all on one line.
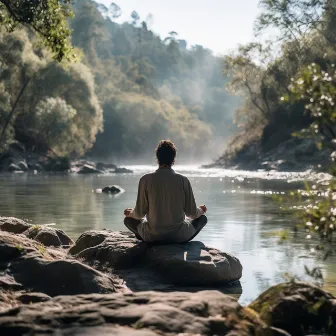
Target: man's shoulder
{"points": [[146, 176], [181, 176]]}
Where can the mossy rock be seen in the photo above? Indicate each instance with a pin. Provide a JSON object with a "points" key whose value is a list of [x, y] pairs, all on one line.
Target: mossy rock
{"points": [[298, 308]]}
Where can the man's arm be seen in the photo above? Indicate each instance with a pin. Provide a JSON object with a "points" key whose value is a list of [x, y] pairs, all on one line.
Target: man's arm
{"points": [[190, 208], [141, 207]]}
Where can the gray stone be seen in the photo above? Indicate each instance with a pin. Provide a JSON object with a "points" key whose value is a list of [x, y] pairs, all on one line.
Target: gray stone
{"points": [[112, 249], [112, 189], [194, 264], [122, 170], [89, 169], [297, 308], [28, 298], [139, 314], [14, 168], [14, 225], [23, 166], [104, 166], [27, 264], [59, 277], [48, 236], [187, 264]]}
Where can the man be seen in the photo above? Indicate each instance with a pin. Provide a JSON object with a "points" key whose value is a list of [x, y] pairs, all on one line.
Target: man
{"points": [[166, 199]]}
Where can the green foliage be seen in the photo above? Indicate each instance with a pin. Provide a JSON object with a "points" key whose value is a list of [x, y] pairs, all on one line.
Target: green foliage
{"points": [[48, 18], [262, 73], [144, 87], [48, 106], [54, 120], [317, 88]]}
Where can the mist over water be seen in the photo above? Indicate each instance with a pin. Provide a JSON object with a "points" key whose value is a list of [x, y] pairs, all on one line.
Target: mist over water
{"points": [[241, 214]]}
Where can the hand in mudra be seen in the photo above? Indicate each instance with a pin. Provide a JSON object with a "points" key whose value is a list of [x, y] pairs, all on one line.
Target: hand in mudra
{"points": [[128, 212], [204, 208]]}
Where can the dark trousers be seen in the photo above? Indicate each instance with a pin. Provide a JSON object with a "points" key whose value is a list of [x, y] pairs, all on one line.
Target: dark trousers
{"points": [[198, 224]]}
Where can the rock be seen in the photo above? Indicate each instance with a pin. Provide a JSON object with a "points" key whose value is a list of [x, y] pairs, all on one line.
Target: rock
{"points": [[103, 166], [113, 249], [139, 314], [14, 225], [298, 308], [59, 277], [55, 164], [23, 166], [123, 171], [88, 169], [112, 189], [189, 264], [194, 264], [48, 236], [43, 234], [64, 238], [28, 298], [14, 168], [28, 264]]}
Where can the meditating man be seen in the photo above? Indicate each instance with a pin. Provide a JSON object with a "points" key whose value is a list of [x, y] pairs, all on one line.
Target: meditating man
{"points": [[165, 199]]}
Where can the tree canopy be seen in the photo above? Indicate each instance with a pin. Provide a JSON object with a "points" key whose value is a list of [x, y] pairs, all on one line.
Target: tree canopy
{"points": [[47, 18]]}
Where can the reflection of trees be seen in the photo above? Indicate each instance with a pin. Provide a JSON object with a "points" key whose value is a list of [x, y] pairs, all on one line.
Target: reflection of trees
{"points": [[66, 201]]}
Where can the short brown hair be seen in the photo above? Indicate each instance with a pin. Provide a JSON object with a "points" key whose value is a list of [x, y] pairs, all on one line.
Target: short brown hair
{"points": [[166, 152]]}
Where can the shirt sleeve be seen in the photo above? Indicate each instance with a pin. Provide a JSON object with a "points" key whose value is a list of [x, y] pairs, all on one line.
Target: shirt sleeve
{"points": [[190, 208], [141, 207]]}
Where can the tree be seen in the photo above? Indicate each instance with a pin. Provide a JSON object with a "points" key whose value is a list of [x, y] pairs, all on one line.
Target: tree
{"points": [[53, 127], [31, 81], [47, 18], [296, 20], [135, 18]]}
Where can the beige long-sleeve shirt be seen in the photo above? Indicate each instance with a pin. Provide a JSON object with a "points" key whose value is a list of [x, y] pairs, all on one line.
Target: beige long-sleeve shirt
{"points": [[165, 198]]}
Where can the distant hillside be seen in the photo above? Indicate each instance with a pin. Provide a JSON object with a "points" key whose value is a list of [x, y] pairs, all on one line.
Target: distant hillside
{"points": [[150, 88]]}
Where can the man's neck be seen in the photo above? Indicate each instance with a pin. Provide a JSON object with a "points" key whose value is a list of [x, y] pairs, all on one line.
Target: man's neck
{"points": [[165, 166]]}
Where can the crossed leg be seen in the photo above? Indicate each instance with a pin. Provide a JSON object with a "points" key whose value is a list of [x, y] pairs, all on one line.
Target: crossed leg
{"points": [[198, 224], [132, 225]]}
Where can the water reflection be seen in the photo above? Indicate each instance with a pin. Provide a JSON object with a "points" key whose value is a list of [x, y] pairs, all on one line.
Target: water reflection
{"points": [[241, 213]]}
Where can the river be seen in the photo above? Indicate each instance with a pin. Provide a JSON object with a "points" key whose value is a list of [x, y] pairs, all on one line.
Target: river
{"points": [[241, 216]]}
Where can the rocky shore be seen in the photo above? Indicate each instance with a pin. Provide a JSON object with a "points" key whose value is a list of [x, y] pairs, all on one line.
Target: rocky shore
{"points": [[18, 160], [109, 283], [293, 155]]}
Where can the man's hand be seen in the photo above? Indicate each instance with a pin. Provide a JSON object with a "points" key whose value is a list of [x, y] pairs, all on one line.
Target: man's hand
{"points": [[128, 212], [204, 208]]}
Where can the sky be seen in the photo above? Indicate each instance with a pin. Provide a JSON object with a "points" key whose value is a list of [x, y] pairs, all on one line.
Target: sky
{"points": [[219, 25]]}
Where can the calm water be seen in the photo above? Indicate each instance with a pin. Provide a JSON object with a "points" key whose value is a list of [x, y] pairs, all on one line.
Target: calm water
{"points": [[241, 213]]}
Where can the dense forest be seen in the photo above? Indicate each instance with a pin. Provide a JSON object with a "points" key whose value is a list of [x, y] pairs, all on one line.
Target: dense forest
{"points": [[117, 89], [126, 89]]}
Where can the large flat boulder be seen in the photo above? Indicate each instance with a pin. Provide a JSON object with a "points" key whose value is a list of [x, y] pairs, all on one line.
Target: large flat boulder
{"points": [[194, 263], [139, 314], [191, 264]]}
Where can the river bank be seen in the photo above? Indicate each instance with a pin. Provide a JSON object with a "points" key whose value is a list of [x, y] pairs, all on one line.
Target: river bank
{"points": [[19, 160], [292, 155], [39, 265]]}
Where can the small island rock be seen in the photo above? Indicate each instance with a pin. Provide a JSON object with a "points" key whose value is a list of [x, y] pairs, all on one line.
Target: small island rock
{"points": [[122, 170], [112, 189], [89, 169]]}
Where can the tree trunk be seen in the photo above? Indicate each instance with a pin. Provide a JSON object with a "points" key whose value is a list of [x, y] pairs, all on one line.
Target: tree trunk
{"points": [[23, 88]]}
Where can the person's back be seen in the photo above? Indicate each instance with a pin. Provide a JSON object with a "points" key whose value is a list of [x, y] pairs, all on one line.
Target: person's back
{"points": [[165, 198]]}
